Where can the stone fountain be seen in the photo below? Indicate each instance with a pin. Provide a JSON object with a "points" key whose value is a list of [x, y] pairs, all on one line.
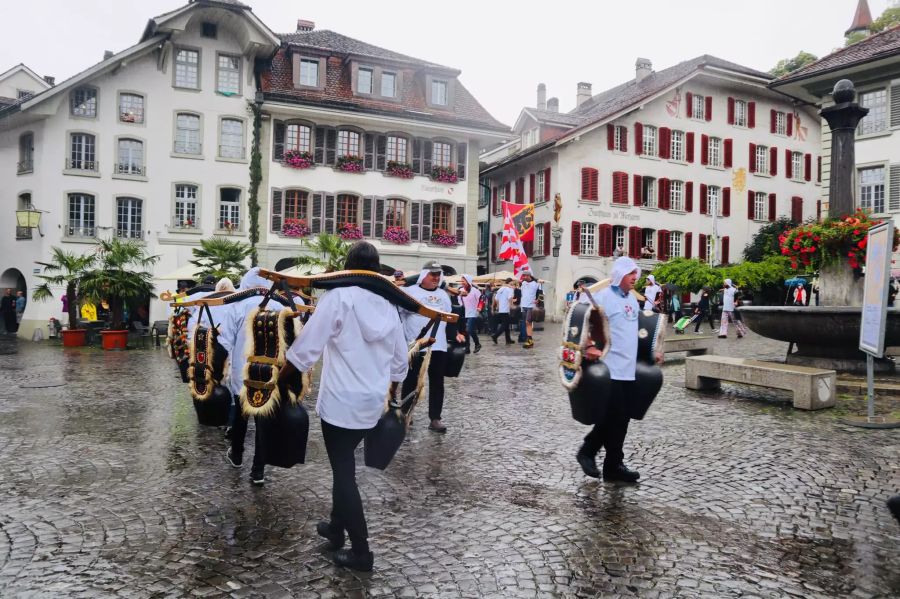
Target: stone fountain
{"points": [[827, 336]]}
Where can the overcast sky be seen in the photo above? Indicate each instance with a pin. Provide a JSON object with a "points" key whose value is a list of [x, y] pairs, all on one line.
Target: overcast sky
{"points": [[503, 47]]}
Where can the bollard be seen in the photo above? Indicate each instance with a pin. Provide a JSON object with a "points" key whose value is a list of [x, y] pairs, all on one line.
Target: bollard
{"points": [[38, 335]]}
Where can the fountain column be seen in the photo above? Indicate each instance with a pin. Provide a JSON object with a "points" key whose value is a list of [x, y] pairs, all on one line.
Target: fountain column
{"points": [[843, 119]]}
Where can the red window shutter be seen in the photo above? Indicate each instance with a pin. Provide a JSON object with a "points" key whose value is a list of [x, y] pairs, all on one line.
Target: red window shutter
{"points": [[708, 108], [638, 139], [704, 205], [689, 196], [704, 149], [637, 190], [624, 196], [771, 207], [493, 248], [690, 105], [667, 194], [520, 190], [790, 123], [689, 146], [576, 238], [702, 249], [726, 201], [605, 240], [664, 145], [585, 183], [788, 164], [773, 161], [773, 120], [531, 178], [546, 238], [728, 151], [797, 209], [819, 169], [807, 163], [634, 242], [751, 115], [661, 194], [624, 139], [730, 110], [595, 184], [688, 238], [725, 243], [752, 158], [495, 203], [528, 246], [661, 245], [547, 184], [751, 203], [617, 187], [610, 138], [509, 197]]}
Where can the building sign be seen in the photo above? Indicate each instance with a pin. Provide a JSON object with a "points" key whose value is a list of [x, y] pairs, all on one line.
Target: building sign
{"points": [[617, 215], [875, 290], [439, 189]]}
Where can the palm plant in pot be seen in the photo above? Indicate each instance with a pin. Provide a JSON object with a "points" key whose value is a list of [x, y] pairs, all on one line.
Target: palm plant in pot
{"points": [[119, 276], [219, 257], [65, 269]]}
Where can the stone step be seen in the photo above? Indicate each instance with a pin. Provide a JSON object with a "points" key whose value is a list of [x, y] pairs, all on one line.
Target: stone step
{"points": [[859, 387]]}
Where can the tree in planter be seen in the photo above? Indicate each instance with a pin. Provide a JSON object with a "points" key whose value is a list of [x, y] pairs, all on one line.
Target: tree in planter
{"points": [[65, 268], [766, 241], [120, 276], [327, 251], [219, 257]]}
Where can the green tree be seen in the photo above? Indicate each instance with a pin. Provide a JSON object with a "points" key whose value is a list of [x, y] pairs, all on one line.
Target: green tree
{"points": [[789, 65], [854, 37], [255, 179], [65, 268], [221, 257], [119, 276], [887, 19], [326, 251], [765, 242], [687, 274], [771, 270]]}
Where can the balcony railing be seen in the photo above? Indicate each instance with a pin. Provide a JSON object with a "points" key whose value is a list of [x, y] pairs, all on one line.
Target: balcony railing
{"points": [[24, 166], [82, 165], [232, 152], [81, 231], [130, 233], [123, 168], [23, 232], [182, 147]]}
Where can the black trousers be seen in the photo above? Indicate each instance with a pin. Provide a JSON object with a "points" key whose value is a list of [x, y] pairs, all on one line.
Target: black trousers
{"points": [[704, 314], [346, 505], [238, 432], [502, 325], [435, 381], [610, 433]]}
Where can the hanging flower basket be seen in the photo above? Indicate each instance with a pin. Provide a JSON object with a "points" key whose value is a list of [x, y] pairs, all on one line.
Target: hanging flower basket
{"points": [[443, 237], [350, 232], [295, 227], [350, 164], [444, 174], [397, 235], [297, 159], [402, 170]]}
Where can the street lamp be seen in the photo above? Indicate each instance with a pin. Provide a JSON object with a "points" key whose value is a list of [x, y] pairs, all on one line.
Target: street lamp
{"points": [[556, 231], [28, 218]]}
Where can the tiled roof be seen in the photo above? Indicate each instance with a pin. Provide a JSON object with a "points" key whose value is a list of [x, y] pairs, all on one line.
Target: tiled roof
{"points": [[520, 154], [341, 44], [880, 45], [549, 116], [4, 102]]}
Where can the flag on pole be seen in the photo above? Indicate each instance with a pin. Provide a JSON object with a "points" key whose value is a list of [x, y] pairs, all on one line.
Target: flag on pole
{"points": [[522, 216], [511, 245]]}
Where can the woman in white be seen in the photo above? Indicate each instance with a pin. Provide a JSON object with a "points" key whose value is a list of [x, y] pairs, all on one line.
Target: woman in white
{"points": [[365, 351]]}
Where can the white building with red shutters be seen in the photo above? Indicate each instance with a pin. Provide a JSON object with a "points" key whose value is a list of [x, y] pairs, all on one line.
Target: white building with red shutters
{"points": [[689, 161]]}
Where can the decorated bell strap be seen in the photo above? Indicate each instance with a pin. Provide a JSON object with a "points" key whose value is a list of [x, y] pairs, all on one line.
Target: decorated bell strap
{"points": [[222, 298], [207, 363], [269, 335], [585, 325], [176, 336], [651, 335]]}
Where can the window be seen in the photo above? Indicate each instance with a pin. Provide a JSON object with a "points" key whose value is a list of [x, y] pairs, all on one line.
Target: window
{"points": [[649, 141], [131, 108], [647, 238], [539, 186], [228, 74], [759, 206], [677, 146], [780, 123], [711, 249], [715, 151], [187, 134], [675, 238], [501, 195], [762, 159], [676, 195], [588, 239], [876, 120], [187, 68], [440, 217], [713, 205], [439, 95], [83, 102], [26, 153], [440, 154], [82, 152], [129, 218], [396, 148], [530, 137], [395, 213], [538, 239], [364, 81], [740, 113], [648, 192], [620, 138], [388, 84], [348, 143], [231, 139], [130, 157], [871, 189], [296, 204], [229, 209], [81, 215], [298, 137], [797, 165], [347, 210], [209, 30], [698, 107], [309, 72], [483, 234], [185, 207], [23, 94]]}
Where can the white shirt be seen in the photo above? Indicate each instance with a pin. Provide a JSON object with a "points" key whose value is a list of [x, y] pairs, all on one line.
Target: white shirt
{"points": [[529, 293], [364, 349], [503, 296], [470, 302], [650, 293], [622, 313], [413, 323], [728, 299]]}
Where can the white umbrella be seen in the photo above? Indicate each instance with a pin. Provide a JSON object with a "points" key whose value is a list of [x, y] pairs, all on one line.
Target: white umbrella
{"points": [[185, 272], [299, 271]]}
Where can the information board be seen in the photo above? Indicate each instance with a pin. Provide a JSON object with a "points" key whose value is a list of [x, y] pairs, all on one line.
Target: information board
{"points": [[879, 245]]}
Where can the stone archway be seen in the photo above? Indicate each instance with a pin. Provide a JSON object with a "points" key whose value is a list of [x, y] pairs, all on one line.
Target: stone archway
{"points": [[12, 278]]}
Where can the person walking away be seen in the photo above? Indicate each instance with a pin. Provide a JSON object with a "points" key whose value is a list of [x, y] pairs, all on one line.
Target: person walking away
{"points": [[515, 311], [427, 291], [703, 311], [502, 300], [360, 336], [20, 307], [8, 309], [470, 302], [622, 311], [530, 290], [652, 293], [728, 305]]}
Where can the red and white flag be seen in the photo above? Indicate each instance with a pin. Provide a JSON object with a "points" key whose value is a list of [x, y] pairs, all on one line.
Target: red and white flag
{"points": [[511, 246]]}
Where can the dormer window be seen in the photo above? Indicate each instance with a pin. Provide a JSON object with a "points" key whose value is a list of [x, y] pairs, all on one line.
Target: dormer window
{"points": [[439, 92], [364, 80], [309, 72], [388, 84], [209, 30]]}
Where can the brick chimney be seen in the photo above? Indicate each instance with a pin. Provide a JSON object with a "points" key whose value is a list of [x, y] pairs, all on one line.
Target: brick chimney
{"points": [[642, 68], [584, 93], [304, 26], [553, 105], [542, 97], [50, 80]]}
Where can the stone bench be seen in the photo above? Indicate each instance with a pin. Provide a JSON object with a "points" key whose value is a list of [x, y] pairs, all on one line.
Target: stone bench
{"points": [[813, 388], [694, 345]]}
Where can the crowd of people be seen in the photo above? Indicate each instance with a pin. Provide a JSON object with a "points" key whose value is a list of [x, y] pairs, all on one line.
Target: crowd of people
{"points": [[12, 307]]}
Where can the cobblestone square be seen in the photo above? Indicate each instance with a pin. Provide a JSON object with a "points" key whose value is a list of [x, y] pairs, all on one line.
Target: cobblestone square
{"points": [[109, 488]]}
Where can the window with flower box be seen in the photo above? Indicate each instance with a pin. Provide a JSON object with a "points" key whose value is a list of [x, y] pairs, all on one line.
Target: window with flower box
{"points": [[441, 154], [588, 239], [347, 210], [229, 209], [296, 204], [131, 108], [440, 216], [129, 218], [185, 216], [395, 213], [187, 68], [298, 137], [348, 143], [397, 149], [876, 120], [83, 102], [649, 140]]}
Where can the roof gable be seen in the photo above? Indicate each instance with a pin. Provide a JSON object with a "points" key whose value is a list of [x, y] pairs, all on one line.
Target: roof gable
{"points": [[22, 68]]}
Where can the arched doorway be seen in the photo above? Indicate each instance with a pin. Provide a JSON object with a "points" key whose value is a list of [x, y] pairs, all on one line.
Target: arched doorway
{"points": [[13, 279]]}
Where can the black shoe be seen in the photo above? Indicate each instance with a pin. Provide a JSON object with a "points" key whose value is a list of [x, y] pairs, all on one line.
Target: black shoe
{"points": [[588, 464], [510, 342], [335, 539], [355, 561], [620, 473], [468, 351], [477, 349], [258, 479], [437, 426], [494, 339], [235, 461]]}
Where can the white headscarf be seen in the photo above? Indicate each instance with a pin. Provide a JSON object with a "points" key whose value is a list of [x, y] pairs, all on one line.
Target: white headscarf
{"points": [[224, 284], [468, 279], [728, 282], [652, 279], [252, 279], [621, 267], [424, 274]]}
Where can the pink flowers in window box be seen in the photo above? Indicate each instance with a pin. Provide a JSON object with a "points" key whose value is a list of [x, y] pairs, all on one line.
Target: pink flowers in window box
{"points": [[443, 237], [444, 174], [397, 235], [350, 163], [399, 169], [350, 231], [295, 227], [298, 159]]}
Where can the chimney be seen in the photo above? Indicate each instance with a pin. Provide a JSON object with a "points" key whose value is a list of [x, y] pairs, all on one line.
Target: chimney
{"points": [[542, 97], [107, 54], [304, 26], [50, 80], [642, 68], [584, 93], [553, 105]]}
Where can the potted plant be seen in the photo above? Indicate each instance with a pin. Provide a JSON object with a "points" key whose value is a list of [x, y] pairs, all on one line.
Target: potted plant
{"points": [[295, 227], [298, 159], [402, 170], [332, 249], [444, 174], [350, 163], [443, 237], [220, 257], [350, 232], [66, 268], [397, 235], [119, 275]]}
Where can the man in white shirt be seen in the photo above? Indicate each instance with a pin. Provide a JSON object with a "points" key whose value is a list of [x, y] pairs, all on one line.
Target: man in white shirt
{"points": [[502, 302], [728, 306], [651, 293], [530, 290]]}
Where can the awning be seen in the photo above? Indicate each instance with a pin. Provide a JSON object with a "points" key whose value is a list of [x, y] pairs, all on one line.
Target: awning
{"points": [[187, 272], [492, 277]]}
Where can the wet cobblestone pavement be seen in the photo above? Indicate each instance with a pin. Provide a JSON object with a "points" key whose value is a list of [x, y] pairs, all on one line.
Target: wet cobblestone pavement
{"points": [[109, 488]]}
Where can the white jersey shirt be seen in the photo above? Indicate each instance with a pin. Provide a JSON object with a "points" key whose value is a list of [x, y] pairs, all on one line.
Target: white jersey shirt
{"points": [[504, 296], [529, 293], [413, 323]]}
